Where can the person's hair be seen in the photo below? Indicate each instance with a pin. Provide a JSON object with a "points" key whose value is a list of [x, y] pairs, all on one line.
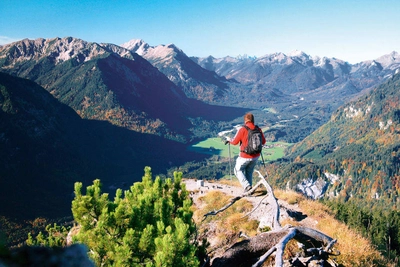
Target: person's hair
{"points": [[248, 117]]}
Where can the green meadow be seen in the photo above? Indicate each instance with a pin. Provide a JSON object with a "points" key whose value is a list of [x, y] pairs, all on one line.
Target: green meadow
{"points": [[216, 146]]}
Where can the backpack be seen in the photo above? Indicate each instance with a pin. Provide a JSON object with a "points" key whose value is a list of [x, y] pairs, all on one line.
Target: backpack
{"points": [[254, 141]]}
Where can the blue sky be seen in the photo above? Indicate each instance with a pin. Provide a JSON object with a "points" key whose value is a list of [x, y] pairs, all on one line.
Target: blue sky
{"points": [[350, 30]]}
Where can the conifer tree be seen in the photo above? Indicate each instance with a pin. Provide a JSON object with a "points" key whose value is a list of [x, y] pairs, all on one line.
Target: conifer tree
{"points": [[148, 225]]}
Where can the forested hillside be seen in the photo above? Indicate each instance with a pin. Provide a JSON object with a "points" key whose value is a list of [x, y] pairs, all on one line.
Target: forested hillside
{"points": [[121, 88], [360, 145], [45, 147]]}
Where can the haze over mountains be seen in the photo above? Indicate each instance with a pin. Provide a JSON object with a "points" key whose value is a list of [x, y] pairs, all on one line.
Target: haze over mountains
{"points": [[142, 105]]}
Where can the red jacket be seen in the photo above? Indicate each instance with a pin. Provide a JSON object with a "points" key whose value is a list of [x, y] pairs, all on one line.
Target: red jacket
{"points": [[241, 136]]}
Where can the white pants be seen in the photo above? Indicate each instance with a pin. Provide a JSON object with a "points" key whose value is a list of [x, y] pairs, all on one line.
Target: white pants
{"points": [[244, 170]]}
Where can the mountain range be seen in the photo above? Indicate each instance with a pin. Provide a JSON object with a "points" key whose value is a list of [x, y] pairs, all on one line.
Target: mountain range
{"points": [[196, 82], [74, 110], [301, 90]]}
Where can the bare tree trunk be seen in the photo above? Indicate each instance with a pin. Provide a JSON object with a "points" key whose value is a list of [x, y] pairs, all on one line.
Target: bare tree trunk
{"points": [[272, 201], [255, 251]]}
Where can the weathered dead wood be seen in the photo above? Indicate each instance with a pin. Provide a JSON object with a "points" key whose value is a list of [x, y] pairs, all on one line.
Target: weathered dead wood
{"points": [[256, 207], [247, 252], [280, 247], [272, 201], [256, 250]]}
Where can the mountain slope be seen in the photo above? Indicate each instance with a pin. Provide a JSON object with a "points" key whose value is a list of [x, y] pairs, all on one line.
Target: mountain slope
{"points": [[45, 147], [196, 82], [97, 83], [35, 144], [100, 84], [361, 144]]}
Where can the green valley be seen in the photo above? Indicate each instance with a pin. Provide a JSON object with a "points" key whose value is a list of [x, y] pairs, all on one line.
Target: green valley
{"points": [[215, 146]]}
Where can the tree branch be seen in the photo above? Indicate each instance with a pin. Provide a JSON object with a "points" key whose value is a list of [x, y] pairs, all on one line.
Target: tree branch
{"points": [[272, 200]]}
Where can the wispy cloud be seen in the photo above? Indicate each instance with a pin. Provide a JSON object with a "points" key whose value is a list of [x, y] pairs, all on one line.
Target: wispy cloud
{"points": [[7, 40]]}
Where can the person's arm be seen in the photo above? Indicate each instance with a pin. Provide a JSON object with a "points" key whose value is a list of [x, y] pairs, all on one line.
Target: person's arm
{"points": [[238, 137]]}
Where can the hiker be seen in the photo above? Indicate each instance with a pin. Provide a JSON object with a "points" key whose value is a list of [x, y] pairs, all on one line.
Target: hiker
{"points": [[246, 162]]}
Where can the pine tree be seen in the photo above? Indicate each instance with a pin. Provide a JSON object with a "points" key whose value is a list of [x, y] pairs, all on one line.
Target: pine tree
{"points": [[148, 225]]}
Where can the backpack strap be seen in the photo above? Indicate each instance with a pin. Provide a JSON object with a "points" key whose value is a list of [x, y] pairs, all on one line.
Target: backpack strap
{"points": [[255, 128]]}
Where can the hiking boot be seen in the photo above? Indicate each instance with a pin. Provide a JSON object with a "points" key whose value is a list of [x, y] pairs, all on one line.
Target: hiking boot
{"points": [[248, 188]]}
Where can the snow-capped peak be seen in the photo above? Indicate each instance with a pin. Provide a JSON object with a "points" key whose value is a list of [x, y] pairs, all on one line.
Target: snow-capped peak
{"points": [[161, 51], [61, 49], [150, 52], [390, 59], [297, 53], [137, 46]]}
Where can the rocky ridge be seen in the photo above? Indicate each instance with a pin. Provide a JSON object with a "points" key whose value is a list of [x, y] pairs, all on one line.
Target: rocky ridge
{"points": [[261, 211]]}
